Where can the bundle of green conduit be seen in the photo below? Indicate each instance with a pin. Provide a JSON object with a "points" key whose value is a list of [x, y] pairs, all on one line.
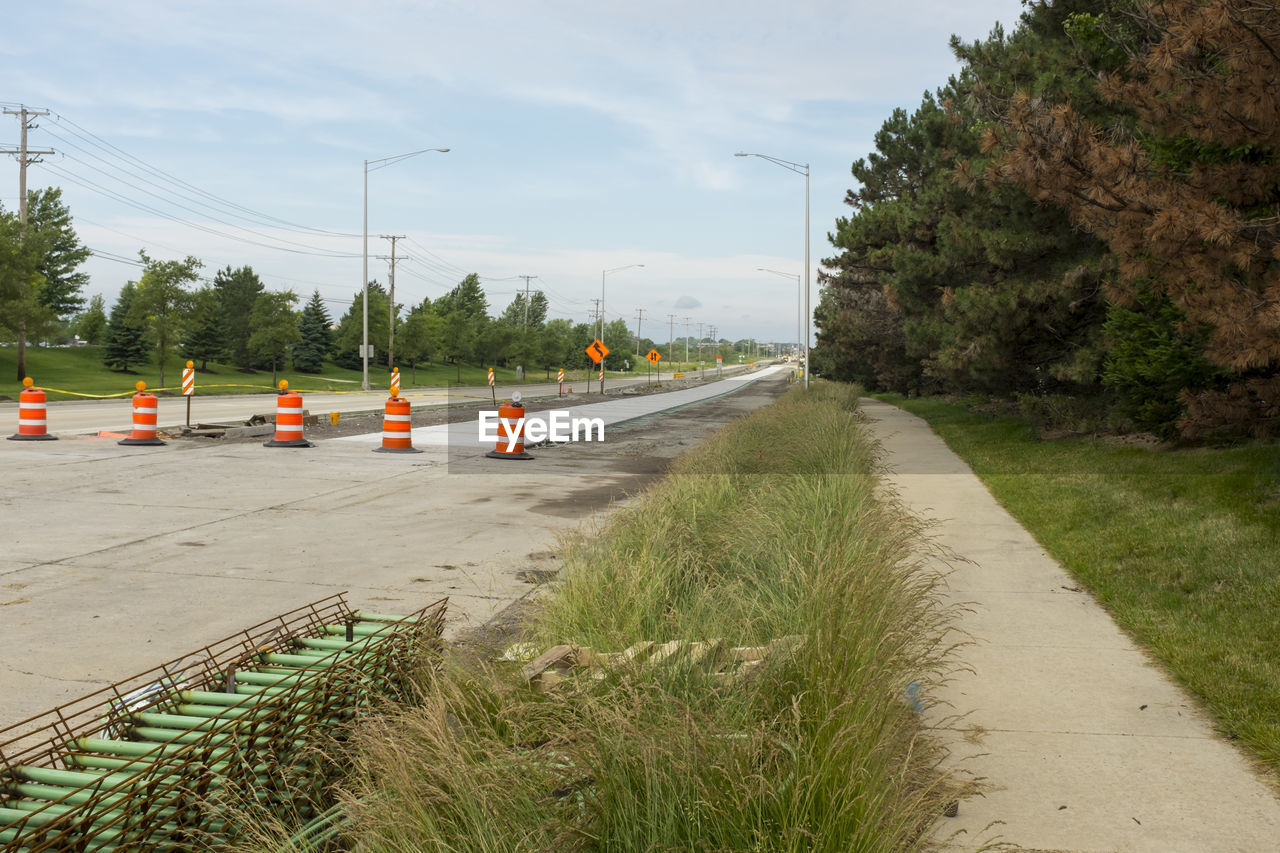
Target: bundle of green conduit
{"points": [[190, 754]]}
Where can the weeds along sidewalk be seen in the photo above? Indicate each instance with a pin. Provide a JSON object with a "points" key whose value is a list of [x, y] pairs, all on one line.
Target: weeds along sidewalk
{"points": [[1080, 742], [772, 529]]}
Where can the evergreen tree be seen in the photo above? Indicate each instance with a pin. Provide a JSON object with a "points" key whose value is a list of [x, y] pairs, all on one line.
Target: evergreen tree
{"points": [[316, 341], [237, 291], [969, 280], [126, 337], [1184, 187], [205, 338]]}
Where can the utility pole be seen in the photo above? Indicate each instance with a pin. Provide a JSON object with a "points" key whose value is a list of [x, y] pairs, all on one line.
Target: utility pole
{"points": [[686, 339], [25, 157], [715, 347], [391, 310], [671, 344], [639, 317], [524, 335], [700, 365]]}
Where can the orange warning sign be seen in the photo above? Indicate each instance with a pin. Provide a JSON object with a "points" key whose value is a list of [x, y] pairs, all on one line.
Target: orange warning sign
{"points": [[597, 350], [654, 356]]}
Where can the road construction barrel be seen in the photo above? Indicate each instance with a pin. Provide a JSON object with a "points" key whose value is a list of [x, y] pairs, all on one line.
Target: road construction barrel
{"points": [[145, 411], [32, 424]]}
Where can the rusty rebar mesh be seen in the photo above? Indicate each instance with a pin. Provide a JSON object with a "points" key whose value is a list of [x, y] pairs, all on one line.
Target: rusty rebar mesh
{"points": [[168, 759]]}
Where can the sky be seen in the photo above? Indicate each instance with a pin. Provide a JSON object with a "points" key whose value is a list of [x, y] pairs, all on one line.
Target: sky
{"points": [[583, 137]]}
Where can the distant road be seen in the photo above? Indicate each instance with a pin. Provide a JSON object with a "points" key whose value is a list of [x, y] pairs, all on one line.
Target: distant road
{"points": [[78, 417]]}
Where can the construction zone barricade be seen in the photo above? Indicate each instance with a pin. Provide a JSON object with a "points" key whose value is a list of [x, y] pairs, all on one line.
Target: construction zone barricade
{"points": [[145, 412], [32, 415], [510, 443], [288, 420], [397, 428], [162, 761]]}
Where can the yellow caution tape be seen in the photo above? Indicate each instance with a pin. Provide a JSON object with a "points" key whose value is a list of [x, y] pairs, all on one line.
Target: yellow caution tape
{"points": [[259, 387]]}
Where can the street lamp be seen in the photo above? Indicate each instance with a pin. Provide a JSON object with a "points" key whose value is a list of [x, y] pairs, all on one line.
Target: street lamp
{"points": [[799, 310], [799, 169], [603, 273], [382, 162]]}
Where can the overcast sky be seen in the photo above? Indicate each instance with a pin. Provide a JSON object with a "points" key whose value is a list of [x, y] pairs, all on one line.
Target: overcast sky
{"points": [[584, 136]]}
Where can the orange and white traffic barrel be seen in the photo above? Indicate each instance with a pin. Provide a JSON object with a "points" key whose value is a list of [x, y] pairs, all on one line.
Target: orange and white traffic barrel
{"points": [[510, 439], [32, 425], [288, 419], [397, 431], [145, 410]]}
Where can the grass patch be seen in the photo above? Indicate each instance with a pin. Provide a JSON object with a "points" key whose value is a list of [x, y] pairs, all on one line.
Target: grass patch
{"points": [[770, 529], [1180, 545], [80, 370]]}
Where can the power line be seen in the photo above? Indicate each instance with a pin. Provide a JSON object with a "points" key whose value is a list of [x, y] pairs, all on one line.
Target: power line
{"points": [[180, 206], [98, 142], [206, 229]]}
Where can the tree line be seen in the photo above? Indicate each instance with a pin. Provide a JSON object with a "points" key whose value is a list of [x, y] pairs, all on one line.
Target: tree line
{"points": [[233, 319], [1090, 208]]}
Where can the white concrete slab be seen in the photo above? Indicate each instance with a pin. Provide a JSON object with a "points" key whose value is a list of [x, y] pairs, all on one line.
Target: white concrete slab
{"points": [[1082, 743]]}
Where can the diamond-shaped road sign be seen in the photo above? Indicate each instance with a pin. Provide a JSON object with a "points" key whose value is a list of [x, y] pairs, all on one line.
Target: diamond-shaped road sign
{"points": [[597, 350], [654, 356]]}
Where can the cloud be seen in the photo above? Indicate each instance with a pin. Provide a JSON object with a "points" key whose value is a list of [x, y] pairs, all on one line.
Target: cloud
{"points": [[687, 302]]}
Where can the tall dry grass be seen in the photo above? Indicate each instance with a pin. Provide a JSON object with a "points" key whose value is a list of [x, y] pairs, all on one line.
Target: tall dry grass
{"points": [[773, 528]]}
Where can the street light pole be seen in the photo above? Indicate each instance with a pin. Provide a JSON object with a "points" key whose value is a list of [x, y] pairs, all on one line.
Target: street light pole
{"points": [[603, 273], [799, 309], [799, 169], [364, 274]]}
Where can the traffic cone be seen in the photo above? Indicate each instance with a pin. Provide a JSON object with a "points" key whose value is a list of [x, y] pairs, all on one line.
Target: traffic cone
{"points": [[145, 410], [288, 419], [31, 415], [510, 441], [397, 431]]}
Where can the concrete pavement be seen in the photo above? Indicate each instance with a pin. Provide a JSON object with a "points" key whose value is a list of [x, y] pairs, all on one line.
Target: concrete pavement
{"points": [[1081, 743], [71, 417], [114, 559]]}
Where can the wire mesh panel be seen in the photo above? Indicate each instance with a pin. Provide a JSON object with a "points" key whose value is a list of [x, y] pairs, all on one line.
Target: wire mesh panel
{"points": [[181, 755]]}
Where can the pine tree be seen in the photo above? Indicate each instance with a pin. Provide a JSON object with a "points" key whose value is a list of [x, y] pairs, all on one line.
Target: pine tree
{"points": [[1184, 188], [311, 351], [205, 338], [238, 290], [126, 337]]}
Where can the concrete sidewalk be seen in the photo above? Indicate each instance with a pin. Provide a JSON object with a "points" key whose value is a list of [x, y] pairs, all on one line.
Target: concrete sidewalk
{"points": [[1081, 742]]}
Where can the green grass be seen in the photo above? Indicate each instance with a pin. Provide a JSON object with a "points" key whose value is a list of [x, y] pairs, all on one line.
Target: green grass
{"points": [[80, 372], [771, 529], [1182, 546]]}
